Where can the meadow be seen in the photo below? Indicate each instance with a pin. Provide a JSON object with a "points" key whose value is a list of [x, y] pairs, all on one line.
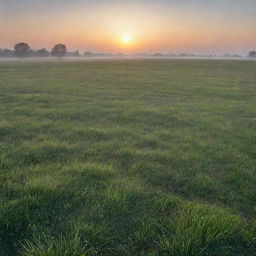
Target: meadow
{"points": [[128, 157]]}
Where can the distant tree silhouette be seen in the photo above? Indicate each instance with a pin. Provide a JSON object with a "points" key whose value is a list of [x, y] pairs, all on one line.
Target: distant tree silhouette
{"points": [[22, 50], [73, 54], [88, 54], [42, 53], [252, 54], [76, 53], [6, 53], [59, 50]]}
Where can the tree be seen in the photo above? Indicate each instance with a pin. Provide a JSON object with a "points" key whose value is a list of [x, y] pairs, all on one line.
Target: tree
{"points": [[59, 50], [252, 54], [42, 53], [76, 53], [88, 54], [22, 50], [6, 53], [73, 54]]}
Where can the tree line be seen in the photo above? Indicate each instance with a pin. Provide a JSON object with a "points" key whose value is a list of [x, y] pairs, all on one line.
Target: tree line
{"points": [[23, 50], [252, 54]]}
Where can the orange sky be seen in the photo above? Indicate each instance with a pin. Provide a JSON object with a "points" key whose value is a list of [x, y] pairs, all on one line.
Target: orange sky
{"points": [[177, 26]]}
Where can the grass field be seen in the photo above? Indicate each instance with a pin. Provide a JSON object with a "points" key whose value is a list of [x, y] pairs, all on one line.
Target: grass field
{"points": [[128, 158]]}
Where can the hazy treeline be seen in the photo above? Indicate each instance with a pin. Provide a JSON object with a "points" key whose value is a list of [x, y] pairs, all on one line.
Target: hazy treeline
{"points": [[60, 50], [23, 50], [252, 54]]}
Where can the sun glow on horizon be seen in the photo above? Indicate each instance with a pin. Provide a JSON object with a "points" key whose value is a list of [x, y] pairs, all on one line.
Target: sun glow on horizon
{"points": [[127, 39], [145, 26]]}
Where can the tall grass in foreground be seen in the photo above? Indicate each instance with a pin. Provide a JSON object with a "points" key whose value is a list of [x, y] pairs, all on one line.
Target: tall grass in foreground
{"points": [[195, 232], [192, 231], [47, 246]]}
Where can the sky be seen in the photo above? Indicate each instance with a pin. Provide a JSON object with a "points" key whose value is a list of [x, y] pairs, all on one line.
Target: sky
{"points": [[131, 26]]}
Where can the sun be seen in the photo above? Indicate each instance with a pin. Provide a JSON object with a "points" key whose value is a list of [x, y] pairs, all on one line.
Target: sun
{"points": [[127, 38]]}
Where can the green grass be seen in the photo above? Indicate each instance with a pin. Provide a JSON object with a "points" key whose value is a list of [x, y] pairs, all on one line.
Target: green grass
{"points": [[128, 158]]}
